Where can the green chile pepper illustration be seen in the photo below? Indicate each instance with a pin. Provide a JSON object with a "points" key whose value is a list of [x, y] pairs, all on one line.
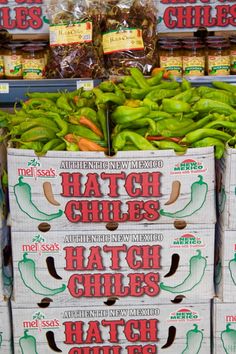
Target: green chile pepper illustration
{"points": [[23, 196], [28, 344], [197, 266], [199, 191], [228, 338], [221, 200], [28, 275], [232, 269], [194, 341]]}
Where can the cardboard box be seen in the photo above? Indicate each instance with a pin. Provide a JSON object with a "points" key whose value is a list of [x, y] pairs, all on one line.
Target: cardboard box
{"points": [[90, 188], [226, 189], [5, 328], [5, 263], [117, 329], [142, 265], [224, 327], [225, 269]]}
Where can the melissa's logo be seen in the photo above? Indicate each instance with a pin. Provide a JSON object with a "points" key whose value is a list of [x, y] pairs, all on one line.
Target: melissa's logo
{"points": [[187, 241], [40, 245], [40, 322], [34, 170], [184, 314], [188, 166], [230, 318]]}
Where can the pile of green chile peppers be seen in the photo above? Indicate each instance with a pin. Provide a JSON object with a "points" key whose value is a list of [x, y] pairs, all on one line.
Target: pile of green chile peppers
{"points": [[169, 114], [131, 113], [69, 121]]}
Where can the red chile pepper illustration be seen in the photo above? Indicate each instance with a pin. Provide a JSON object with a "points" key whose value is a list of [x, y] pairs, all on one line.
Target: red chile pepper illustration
{"points": [[199, 191], [197, 267], [23, 196], [27, 271]]}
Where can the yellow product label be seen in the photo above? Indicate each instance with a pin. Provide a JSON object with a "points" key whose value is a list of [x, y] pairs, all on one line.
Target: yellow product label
{"points": [[193, 66], [123, 40], [1, 66], [233, 60], [172, 65], [13, 65], [78, 32], [218, 65], [33, 68]]}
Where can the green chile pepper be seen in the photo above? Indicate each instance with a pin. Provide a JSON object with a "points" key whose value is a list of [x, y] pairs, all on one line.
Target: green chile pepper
{"points": [[175, 106], [199, 134], [224, 86], [50, 95], [166, 144], [139, 123], [222, 124], [194, 341], [218, 144], [22, 192], [35, 145], [181, 131], [197, 267], [228, 338], [222, 96], [185, 95], [199, 191], [28, 343], [151, 104], [82, 131], [107, 86], [38, 133], [156, 79], [160, 94], [62, 125], [129, 81], [87, 112], [232, 269], [121, 139], [102, 118], [138, 77], [185, 85], [205, 105], [42, 122], [63, 103], [125, 114], [50, 145], [27, 270]]}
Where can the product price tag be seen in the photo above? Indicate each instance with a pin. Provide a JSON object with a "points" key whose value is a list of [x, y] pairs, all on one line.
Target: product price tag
{"points": [[86, 84], [4, 87]]}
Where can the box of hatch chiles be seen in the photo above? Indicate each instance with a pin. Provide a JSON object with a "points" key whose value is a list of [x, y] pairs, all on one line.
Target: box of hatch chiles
{"points": [[133, 329], [143, 265], [226, 189], [224, 327], [5, 328], [65, 190]]}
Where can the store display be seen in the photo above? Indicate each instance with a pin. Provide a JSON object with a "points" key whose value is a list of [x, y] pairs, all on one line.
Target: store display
{"points": [[117, 169]]}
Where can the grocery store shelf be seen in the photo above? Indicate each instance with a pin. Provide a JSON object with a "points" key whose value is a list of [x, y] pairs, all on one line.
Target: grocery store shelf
{"points": [[15, 90], [12, 91]]}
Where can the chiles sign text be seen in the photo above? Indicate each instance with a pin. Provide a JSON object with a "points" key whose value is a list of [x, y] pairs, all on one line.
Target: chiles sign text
{"points": [[196, 13], [21, 14], [91, 284], [89, 204]]}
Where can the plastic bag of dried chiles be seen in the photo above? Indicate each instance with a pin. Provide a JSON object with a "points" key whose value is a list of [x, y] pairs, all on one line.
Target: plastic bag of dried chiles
{"points": [[130, 36], [75, 39]]}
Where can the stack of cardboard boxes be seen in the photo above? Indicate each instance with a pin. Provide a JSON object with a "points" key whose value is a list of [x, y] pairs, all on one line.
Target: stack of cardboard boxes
{"points": [[112, 254], [5, 266], [224, 318]]}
